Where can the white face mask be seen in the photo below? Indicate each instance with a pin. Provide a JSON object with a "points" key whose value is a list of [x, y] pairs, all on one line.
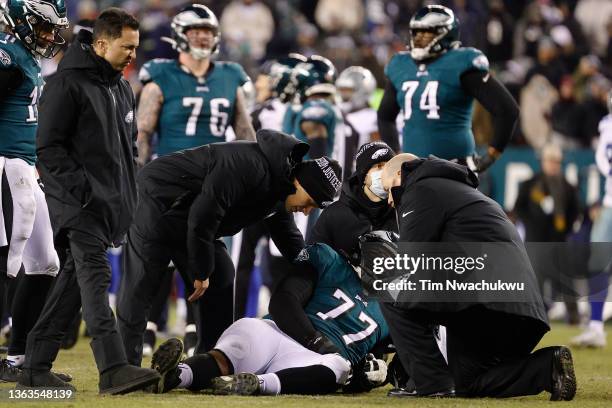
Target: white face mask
{"points": [[376, 186]]}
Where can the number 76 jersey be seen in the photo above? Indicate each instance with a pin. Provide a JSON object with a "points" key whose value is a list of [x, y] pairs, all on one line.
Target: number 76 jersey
{"points": [[338, 307], [195, 111], [19, 110], [436, 110]]}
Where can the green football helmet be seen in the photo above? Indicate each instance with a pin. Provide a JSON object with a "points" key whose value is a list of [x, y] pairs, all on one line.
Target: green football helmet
{"points": [[281, 74], [315, 76], [29, 18], [440, 21]]}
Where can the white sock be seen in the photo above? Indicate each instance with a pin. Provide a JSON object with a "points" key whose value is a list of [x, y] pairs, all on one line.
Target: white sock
{"points": [[596, 325], [152, 326], [190, 328], [186, 375], [16, 361], [269, 384]]}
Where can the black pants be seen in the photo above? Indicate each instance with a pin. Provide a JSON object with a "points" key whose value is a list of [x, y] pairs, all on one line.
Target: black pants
{"points": [[250, 238], [155, 238], [489, 352], [86, 276]]}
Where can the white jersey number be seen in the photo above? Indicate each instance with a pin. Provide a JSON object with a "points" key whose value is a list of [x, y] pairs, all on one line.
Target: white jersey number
{"points": [[218, 118], [346, 305], [428, 101]]}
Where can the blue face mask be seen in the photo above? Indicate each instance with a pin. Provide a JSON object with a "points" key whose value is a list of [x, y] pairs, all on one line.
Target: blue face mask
{"points": [[376, 187]]}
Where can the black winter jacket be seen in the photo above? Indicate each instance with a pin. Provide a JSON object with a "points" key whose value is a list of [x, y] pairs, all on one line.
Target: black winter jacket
{"points": [[85, 145], [222, 188], [438, 202], [341, 224]]}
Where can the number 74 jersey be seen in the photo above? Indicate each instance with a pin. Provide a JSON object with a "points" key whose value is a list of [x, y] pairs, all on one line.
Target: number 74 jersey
{"points": [[195, 111], [19, 110], [436, 110], [338, 307]]}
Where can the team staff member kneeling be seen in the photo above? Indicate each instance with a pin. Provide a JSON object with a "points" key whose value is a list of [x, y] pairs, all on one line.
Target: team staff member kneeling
{"points": [[190, 199]]}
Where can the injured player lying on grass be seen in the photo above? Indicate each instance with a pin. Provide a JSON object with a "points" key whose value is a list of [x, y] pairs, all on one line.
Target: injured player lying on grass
{"points": [[255, 356]]}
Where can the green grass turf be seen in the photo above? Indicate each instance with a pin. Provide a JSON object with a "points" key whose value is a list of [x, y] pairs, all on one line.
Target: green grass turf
{"points": [[593, 370]]}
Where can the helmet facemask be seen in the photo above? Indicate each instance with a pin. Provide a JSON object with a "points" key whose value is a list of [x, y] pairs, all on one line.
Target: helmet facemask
{"points": [[441, 22], [34, 19], [192, 17]]}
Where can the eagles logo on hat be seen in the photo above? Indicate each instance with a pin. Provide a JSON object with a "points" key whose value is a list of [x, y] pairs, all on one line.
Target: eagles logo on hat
{"points": [[370, 154]]}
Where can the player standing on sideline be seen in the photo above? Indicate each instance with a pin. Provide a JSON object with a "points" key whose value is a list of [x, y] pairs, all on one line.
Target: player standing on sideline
{"points": [[434, 84], [189, 102], [594, 335], [85, 146], [26, 238], [355, 86]]}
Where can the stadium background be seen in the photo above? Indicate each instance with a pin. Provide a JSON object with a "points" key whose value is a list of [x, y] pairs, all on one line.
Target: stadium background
{"points": [[568, 43]]}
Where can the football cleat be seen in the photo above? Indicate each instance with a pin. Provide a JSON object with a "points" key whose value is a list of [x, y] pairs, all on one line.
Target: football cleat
{"points": [[590, 338], [165, 361], [563, 376], [237, 384]]}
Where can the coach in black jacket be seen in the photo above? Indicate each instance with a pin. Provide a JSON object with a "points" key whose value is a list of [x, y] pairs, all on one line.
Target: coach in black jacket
{"points": [[85, 143], [190, 199], [489, 344]]}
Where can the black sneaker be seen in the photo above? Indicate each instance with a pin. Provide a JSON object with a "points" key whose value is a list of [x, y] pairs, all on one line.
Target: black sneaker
{"points": [[190, 340], [8, 372], [63, 376], [563, 376], [126, 378], [237, 384], [41, 379], [148, 344], [165, 361], [412, 393]]}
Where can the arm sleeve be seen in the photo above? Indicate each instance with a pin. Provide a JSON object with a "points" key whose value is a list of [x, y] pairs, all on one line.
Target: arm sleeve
{"points": [[387, 115], [421, 216], [10, 79], [53, 140], [221, 189], [496, 99], [285, 233], [288, 301]]}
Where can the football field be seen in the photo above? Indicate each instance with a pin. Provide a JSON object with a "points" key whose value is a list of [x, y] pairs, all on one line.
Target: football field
{"points": [[593, 371]]}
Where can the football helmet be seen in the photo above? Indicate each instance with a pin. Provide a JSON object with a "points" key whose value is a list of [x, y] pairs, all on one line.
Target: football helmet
{"points": [[362, 84], [373, 244], [281, 74], [194, 16], [320, 79], [28, 18], [440, 21]]}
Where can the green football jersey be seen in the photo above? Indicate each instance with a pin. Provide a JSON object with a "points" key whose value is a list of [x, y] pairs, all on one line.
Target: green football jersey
{"points": [[437, 112], [314, 110], [19, 110], [339, 308], [195, 111]]}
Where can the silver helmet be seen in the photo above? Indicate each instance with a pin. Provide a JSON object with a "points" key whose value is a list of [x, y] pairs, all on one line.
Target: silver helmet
{"points": [[362, 84]]}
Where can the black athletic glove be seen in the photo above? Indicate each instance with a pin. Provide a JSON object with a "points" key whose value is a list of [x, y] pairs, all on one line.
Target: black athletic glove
{"points": [[482, 163], [321, 344]]}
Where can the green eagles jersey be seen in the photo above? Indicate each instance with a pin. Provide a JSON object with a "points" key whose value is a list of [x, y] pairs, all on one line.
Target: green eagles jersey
{"points": [[315, 110], [338, 307], [19, 111], [437, 112], [196, 111]]}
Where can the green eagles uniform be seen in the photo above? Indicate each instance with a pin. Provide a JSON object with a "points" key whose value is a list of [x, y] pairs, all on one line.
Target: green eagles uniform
{"points": [[195, 112], [437, 112], [338, 307], [18, 111], [315, 110]]}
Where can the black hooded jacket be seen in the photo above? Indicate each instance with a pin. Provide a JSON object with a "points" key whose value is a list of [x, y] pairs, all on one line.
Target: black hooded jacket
{"points": [[222, 188], [85, 145], [437, 201], [354, 214]]}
